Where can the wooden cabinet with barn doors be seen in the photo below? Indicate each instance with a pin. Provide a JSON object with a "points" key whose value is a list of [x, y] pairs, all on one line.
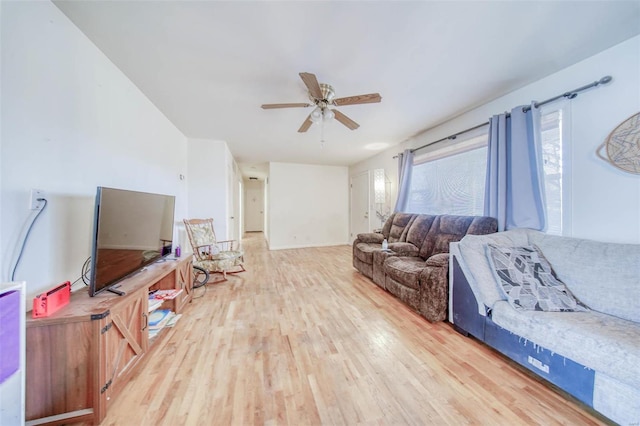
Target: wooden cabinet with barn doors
{"points": [[80, 358]]}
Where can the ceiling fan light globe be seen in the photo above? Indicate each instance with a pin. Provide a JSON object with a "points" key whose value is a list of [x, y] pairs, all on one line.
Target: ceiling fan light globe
{"points": [[316, 115], [328, 115]]}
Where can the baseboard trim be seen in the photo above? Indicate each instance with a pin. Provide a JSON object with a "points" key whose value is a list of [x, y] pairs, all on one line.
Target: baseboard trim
{"points": [[308, 246]]}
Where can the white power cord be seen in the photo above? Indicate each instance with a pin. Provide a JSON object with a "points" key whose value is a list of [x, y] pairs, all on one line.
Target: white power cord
{"points": [[24, 241]]}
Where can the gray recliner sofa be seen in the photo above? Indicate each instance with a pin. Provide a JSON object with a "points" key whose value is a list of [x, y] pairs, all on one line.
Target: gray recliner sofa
{"points": [[415, 268], [366, 245]]}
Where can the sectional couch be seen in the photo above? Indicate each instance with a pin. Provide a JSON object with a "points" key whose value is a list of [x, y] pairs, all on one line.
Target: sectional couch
{"points": [[415, 266], [595, 354]]}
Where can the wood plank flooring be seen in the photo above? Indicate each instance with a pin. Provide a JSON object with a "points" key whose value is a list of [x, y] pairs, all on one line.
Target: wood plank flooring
{"points": [[302, 338]]}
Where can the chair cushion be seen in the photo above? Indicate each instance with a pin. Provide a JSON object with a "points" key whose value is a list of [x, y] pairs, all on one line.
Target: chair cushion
{"points": [[222, 261], [445, 229], [202, 234], [398, 231], [404, 249], [226, 255], [419, 229], [405, 270], [370, 237], [364, 251], [387, 225]]}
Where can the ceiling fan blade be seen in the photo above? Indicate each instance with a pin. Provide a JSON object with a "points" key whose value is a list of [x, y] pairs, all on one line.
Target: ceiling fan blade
{"points": [[305, 126], [273, 106], [345, 120], [369, 98], [311, 82]]}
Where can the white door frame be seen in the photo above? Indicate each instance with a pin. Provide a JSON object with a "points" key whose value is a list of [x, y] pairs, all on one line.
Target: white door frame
{"points": [[351, 210]]}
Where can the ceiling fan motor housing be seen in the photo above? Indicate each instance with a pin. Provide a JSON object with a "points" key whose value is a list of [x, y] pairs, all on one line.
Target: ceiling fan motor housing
{"points": [[327, 95]]}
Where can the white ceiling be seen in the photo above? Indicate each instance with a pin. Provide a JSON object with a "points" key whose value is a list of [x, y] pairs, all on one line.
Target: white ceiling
{"points": [[209, 65]]}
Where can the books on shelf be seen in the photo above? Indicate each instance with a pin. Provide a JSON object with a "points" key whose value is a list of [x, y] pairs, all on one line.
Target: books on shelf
{"points": [[165, 294], [154, 304], [156, 297], [161, 318], [173, 320], [158, 318]]}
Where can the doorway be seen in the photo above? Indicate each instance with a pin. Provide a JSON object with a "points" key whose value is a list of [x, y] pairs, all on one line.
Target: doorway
{"points": [[359, 198], [254, 206]]}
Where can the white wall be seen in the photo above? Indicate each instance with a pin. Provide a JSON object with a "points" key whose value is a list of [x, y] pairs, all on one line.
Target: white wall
{"points": [[208, 182], [605, 201], [71, 121], [308, 205]]}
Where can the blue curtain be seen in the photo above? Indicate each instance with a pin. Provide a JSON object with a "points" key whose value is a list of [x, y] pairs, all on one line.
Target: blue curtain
{"points": [[514, 191], [405, 164]]}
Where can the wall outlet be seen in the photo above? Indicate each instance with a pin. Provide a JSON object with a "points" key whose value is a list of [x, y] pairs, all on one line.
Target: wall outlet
{"points": [[34, 204]]}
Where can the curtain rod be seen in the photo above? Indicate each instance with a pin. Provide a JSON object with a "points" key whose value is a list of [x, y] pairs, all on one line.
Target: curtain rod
{"points": [[569, 95]]}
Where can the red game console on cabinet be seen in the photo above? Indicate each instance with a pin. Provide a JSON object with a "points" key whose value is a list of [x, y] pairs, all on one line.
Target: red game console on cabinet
{"points": [[47, 303]]}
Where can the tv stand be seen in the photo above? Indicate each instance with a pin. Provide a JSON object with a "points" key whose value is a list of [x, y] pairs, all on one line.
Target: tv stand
{"points": [[114, 291], [80, 358]]}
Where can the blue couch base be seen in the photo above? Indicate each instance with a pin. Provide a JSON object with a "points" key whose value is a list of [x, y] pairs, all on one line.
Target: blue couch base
{"points": [[568, 375]]}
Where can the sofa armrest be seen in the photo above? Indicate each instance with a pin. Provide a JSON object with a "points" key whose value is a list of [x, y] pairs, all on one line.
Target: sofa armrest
{"points": [[370, 237], [404, 249], [434, 288], [439, 260]]}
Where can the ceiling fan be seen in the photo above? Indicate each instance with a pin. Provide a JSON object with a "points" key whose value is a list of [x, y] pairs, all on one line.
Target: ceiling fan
{"points": [[322, 96]]}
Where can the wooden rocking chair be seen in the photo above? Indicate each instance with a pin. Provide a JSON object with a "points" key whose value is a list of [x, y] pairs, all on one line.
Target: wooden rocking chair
{"points": [[222, 257]]}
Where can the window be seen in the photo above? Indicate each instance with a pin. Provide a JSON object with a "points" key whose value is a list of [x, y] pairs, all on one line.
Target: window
{"points": [[450, 178], [554, 145]]}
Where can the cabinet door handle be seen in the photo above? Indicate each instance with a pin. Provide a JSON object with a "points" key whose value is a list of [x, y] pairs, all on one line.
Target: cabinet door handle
{"points": [[146, 321]]}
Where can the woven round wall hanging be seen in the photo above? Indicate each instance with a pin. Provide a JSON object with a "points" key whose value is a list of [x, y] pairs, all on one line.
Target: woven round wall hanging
{"points": [[623, 145]]}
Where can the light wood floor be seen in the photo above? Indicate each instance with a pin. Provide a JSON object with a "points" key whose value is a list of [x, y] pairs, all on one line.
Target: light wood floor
{"points": [[301, 338]]}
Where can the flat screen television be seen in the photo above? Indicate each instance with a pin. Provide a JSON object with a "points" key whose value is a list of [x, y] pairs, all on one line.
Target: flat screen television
{"points": [[131, 230]]}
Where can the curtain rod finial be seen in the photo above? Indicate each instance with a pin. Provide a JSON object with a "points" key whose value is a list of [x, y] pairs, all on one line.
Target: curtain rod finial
{"points": [[605, 79]]}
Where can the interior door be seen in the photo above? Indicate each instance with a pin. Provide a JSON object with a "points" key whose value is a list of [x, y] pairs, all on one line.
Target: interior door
{"points": [[231, 202], [359, 200], [254, 206], [237, 212]]}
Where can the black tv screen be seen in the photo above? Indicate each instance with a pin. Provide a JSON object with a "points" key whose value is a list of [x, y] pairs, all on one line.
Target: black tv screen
{"points": [[131, 230]]}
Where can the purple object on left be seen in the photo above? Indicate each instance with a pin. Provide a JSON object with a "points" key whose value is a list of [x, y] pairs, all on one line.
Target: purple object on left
{"points": [[9, 334]]}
